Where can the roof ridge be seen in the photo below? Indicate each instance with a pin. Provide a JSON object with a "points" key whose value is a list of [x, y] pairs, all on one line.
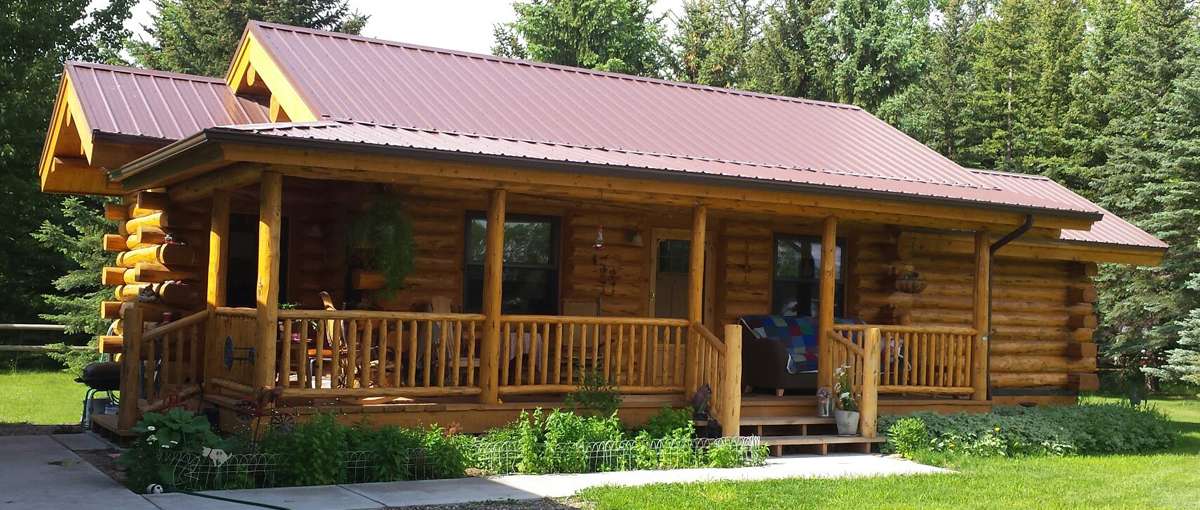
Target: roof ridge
{"points": [[144, 71], [558, 67], [329, 121]]}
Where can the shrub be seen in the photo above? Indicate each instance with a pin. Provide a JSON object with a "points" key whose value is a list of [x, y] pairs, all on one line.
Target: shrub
{"points": [[310, 453], [445, 455], [161, 436], [1017, 431], [388, 452], [667, 420], [724, 454], [594, 395]]}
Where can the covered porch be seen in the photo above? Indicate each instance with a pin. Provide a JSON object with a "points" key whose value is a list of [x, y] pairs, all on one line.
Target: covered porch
{"points": [[426, 355]]}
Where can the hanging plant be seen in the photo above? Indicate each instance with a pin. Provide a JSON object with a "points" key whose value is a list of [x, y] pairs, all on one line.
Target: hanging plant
{"points": [[383, 233]]}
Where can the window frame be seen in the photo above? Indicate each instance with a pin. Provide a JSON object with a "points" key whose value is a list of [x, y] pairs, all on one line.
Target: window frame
{"points": [[554, 268], [840, 288]]}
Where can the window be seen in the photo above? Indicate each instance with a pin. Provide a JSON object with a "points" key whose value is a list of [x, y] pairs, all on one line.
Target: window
{"points": [[796, 284], [530, 264]]}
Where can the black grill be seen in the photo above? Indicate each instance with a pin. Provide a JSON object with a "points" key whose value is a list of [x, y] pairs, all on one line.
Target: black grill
{"points": [[101, 376]]}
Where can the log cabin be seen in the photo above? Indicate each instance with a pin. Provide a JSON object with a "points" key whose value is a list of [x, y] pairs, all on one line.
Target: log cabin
{"points": [[528, 224]]}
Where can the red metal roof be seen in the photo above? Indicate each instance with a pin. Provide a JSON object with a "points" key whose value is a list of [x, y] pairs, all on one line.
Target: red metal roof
{"points": [[537, 150], [356, 78], [155, 104], [1111, 229]]}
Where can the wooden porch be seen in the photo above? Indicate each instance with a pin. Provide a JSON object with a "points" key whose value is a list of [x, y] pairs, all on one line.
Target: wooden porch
{"points": [[478, 370]]}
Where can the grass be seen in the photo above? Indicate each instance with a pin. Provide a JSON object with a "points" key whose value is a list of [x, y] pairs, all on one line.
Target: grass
{"points": [[1169, 479], [50, 397]]}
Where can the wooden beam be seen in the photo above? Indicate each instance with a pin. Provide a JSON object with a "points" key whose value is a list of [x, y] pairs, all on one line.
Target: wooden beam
{"points": [[493, 280], [869, 405], [695, 296], [225, 179], [270, 221], [131, 360], [982, 308], [218, 250], [113, 276], [731, 383], [828, 295]]}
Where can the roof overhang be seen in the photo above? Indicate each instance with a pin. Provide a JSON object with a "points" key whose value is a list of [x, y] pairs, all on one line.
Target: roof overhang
{"points": [[216, 147], [253, 72]]}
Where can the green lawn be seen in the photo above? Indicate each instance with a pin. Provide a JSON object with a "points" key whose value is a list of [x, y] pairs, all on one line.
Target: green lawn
{"points": [[1167, 480], [40, 397]]}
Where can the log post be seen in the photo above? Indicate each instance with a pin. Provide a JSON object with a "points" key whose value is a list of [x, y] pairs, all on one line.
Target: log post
{"points": [[982, 309], [218, 265], [828, 295], [731, 383], [695, 297], [493, 280], [270, 222], [131, 362], [868, 408]]}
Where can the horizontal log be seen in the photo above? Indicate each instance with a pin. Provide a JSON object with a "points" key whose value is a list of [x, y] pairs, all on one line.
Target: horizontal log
{"points": [[113, 276], [41, 348], [1083, 381], [1082, 350], [164, 220], [114, 242], [905, 329], [110, 344], [1082, 334], [169, 293], [110, 310], [1030, 347], [442, 391], [1028, 380], [551, 389], [1082, 294], [927, 390], [145, 272], [234, 386], [146, 236], [564, 319], [370, 314], [167, 255], [116, 212], [1040, 364], [149, 202], [176, 325], [184, 393], [1085, 321]]}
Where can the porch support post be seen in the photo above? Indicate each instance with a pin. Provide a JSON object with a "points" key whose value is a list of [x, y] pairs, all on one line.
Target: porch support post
{"points": [[131, 363], [731, 384], [493, 279], [218, 265], [869, 405], [695, 296], [983, 282], [828, 293], [270, 221]]}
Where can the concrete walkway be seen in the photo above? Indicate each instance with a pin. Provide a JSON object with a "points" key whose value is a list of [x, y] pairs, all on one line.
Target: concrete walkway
{"points": [[529, 487], [40, 473]]}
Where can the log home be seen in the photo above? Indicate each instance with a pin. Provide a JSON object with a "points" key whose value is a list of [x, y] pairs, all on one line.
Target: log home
{"points": [[535, 223]]}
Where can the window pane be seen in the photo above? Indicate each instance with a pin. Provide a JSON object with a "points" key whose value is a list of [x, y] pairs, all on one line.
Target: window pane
{"points": [[525, 242], [673, 255], [796, 286]]}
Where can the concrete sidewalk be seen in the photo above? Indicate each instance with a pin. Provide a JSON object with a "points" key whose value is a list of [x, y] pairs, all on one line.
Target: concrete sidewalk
{"points": [[530, 487], [38, 472]]}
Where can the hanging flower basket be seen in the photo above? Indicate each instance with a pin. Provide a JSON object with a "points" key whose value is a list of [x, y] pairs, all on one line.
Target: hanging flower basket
{"points": [[910, 283]]}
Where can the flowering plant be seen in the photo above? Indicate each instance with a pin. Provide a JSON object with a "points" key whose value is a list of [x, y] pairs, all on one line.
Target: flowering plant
{"points": [[844, 390]]}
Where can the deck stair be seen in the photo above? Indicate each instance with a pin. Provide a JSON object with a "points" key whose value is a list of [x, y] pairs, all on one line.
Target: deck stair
{"points": [[812, 432]]}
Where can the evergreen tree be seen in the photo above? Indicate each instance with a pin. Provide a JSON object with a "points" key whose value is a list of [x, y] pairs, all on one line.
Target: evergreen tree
{"points": [[880, 53], [200, 36], [35, 39], [1057, 53], [1004, 81], [623, 36], [1148, 178], [711, 40], [941, 114], [794, 56]]}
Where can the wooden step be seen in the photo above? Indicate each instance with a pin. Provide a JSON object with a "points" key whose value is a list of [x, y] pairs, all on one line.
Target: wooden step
{"points": [[750, 421], [819, 439]]}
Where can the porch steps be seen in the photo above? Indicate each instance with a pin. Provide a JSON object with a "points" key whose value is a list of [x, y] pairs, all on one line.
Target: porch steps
{"points": [[755, 421], [823, 441], [812, 432]]}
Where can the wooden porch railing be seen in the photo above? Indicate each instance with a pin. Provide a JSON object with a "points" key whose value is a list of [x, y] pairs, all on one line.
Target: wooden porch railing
{"points": [[553, 354], [859, 353], [917, 359], [366, 353], [160, 365], [718, 364]]}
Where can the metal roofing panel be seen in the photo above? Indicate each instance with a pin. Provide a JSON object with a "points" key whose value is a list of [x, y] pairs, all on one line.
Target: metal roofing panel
{"points": [[491, 146], [1111, 229], [362, 79], [156, 104]]}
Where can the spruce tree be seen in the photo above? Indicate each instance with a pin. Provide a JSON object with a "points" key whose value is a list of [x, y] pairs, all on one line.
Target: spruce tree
{"points": [[880, 53], [794, 56], [1004, 81], [711, 40], [1148, 178], [1057, 58]]}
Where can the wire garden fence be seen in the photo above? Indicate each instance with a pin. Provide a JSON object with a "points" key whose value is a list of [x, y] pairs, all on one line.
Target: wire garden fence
{"points": [[212, 470]]}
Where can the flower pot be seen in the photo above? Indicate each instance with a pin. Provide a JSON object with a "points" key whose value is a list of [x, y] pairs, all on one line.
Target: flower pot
{"points": [[847, 422]]}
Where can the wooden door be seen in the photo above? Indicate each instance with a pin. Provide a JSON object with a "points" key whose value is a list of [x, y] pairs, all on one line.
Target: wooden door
{"points": [[669, 278]]}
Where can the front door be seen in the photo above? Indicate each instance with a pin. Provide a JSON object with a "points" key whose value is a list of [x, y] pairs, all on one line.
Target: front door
{"points": [[669, 291]]}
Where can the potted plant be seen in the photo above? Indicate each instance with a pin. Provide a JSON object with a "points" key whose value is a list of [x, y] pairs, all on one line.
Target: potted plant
{"points": [[846, 412]]}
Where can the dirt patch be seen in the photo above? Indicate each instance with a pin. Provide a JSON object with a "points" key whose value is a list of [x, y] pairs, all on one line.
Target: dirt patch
{"points": [[105, 461]]}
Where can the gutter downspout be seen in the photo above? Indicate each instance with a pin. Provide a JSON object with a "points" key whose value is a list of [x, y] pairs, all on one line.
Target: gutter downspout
{"points": [[995, 247]]}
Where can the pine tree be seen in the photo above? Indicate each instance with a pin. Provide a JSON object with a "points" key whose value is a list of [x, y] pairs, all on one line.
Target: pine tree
{"points": [[1149, 178], [1004, 79], [794, 56], [940, 116], [622, 36], [711, 40], [199, 36], [881, 52], [1057, 53]]}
